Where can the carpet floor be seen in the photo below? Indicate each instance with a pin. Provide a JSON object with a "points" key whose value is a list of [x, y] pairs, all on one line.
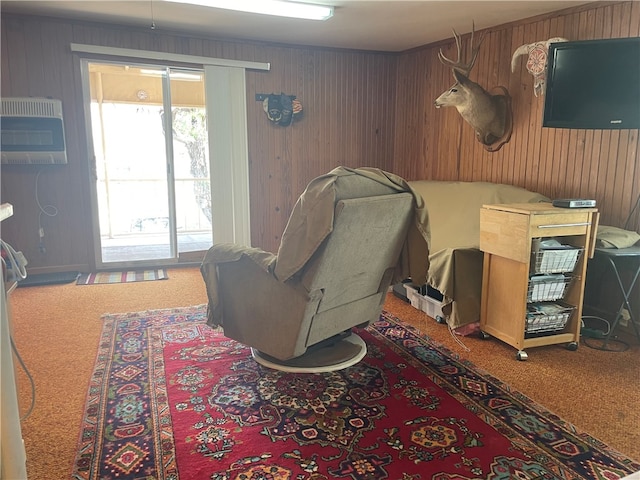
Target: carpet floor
{"points": [[57, 330]]}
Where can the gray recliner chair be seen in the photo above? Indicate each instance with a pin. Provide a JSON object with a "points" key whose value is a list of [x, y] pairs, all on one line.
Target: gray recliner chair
{"points": [[352, 233]]}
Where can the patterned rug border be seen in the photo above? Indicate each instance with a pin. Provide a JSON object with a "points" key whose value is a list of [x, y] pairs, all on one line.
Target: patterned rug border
{"points": [[159, 422], [159, 419], [489, 416]]}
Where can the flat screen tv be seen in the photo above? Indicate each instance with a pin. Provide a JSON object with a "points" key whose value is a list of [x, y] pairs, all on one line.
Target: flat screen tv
{"points": [[593, 84]]}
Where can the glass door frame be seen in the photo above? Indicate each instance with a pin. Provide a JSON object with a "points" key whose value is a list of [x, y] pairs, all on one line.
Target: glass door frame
{"points": [[174, 256], [224, 79], [171, 180]]}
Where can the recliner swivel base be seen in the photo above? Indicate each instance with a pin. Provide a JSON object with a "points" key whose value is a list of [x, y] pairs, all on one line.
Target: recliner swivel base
{"points": [[328, 358]]}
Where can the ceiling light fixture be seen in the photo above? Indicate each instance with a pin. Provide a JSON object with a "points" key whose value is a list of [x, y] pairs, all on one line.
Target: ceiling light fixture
{"points": [[280, 8]]}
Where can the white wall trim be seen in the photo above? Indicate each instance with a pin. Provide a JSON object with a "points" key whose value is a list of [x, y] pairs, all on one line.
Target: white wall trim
{"points": [[171, 57]]}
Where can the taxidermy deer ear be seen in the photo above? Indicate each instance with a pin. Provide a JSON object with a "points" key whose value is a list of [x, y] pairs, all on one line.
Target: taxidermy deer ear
{"points": [[460, 77]]}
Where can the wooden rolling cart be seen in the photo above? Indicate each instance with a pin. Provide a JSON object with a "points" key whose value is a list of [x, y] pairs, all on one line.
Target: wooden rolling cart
{"points": [[532, 296]]}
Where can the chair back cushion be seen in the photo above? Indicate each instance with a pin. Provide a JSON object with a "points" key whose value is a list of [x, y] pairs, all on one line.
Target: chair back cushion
{"points": [[312, 220], [362, 251]]}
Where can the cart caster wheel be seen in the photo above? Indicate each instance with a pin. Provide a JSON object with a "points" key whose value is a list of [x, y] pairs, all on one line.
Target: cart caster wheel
{"points": [[522, 355], [484, 335], [440, 319], [573, 346]]}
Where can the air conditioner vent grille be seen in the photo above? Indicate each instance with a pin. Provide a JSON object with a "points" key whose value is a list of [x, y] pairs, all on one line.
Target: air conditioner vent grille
{"points": [[32, 131], [31, 107]]}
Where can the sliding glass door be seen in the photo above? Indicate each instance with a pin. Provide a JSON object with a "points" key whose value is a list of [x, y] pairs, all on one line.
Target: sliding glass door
{"points": [[151, 185]]}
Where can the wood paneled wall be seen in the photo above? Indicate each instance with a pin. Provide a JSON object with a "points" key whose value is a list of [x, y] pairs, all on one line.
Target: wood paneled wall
{"points": [[360, 109], [437, 144], [348, 119], [348, 99]]}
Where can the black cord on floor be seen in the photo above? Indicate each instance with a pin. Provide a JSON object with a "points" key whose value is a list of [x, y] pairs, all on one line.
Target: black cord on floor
{"points": [[607, 345], [612, 344], [593, 317]]}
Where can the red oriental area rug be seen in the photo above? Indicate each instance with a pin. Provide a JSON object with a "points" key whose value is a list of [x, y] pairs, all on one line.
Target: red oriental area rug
{"points": [[171, 398]]}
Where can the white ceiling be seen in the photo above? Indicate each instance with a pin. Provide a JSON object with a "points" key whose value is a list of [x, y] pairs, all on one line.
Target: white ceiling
{"points": [[366, 25]]}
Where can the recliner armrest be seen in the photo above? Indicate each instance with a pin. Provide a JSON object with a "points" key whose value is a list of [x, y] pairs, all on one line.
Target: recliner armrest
{"points": [[223, 253], [259, 310]]}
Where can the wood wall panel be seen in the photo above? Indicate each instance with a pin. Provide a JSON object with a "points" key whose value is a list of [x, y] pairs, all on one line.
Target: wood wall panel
{"points": [[349, 112], [360, 109], [600, 164]]}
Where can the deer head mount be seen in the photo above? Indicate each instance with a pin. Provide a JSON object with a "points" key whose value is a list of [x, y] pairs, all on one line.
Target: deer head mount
{"points": [[488, 113]]}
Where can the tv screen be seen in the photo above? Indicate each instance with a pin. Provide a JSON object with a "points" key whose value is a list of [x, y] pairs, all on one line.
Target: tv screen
{"points": [[593, 84]]}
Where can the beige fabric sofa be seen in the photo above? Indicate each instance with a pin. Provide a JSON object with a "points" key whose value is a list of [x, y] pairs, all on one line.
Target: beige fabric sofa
{"points": [[455, 259]]}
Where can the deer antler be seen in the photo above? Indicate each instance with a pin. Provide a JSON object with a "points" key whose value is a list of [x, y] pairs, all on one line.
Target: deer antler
{"points": [[464, 68]]}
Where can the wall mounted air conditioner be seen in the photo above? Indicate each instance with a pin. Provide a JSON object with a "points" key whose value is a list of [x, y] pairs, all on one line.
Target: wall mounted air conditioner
{"points": [[32, 131]]}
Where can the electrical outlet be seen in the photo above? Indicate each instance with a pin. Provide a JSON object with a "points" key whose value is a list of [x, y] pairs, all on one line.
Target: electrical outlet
{"points": [[625, 317]]}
